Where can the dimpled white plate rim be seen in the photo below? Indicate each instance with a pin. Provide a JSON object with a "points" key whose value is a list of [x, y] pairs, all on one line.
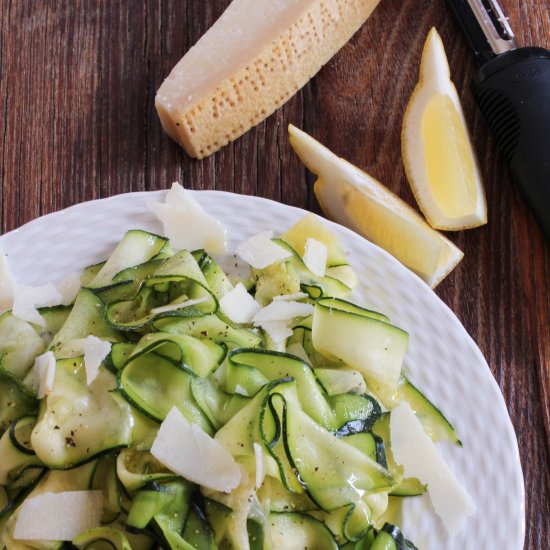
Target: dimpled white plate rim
{"points": [[442, 358]]}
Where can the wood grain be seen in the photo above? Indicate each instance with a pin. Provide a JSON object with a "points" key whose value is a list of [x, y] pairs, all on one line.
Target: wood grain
{"points": [[77, 86]]}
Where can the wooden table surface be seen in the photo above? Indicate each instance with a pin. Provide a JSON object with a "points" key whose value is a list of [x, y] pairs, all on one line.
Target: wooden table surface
{"points": [[77, 122]]}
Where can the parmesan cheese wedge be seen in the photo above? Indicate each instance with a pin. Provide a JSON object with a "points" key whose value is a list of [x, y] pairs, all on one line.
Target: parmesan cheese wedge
{"points": [[58, 516], [416, 452], [188, 451], [254, 58]]}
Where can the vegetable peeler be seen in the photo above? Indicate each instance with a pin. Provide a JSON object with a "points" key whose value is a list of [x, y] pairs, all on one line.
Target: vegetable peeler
{"points": [[512, 90]]}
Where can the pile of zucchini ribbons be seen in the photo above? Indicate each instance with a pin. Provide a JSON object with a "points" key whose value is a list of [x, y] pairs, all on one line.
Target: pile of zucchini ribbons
{"points": [[310, 432]]}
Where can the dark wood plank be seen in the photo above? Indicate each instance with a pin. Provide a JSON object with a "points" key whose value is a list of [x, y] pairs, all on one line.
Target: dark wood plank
{"points": [[77, 86]]}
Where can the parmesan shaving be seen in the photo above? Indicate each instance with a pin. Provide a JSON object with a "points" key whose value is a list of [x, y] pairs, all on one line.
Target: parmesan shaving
{"points": [[44, 374], [178, 305], [178, 197], [239, 305], [278, 331], [58, 516], [241, 391], [416, 452], [290, 297], [186, 224], [6, 284], [283, 311], [276, 317], [27, 299], [69, 288], [315, 257], [298, 350], [260, 251], [95, 351], [260, 469], [188, 451], [236, 269]]}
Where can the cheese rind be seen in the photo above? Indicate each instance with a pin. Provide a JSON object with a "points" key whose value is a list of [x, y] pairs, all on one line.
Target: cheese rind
{"points": [[251, 61]]}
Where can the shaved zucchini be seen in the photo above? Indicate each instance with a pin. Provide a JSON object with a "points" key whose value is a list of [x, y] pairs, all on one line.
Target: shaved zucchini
{"points": [[433, 421], [14, 402], [337, 330], [102, 538], [301, 418], [208, 326], [76, 422], [15, 450], [19, 346], [154, 384], [86, 317], [293, 530], [136, 247]]}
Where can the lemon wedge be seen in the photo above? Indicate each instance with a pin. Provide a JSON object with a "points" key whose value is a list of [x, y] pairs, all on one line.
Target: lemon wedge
{"points": [[353, 198], [439, 158]]}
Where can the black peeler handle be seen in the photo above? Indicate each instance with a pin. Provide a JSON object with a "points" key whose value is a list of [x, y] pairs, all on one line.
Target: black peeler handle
{"points": [[513, 93]]}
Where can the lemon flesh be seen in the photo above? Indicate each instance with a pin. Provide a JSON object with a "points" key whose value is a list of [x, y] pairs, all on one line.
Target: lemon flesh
{"points": [[449, 162], [439, 158], [421, 250], [311, 226], [351, 197]]}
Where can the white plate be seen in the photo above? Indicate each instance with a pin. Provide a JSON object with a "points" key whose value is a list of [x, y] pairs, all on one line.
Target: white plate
{"points": [[442, 359]]}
